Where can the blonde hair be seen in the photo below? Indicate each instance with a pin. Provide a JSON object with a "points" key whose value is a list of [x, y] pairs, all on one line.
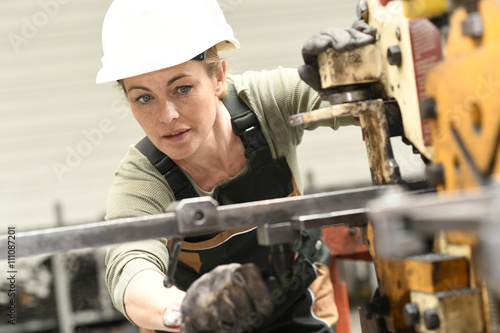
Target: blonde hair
{"points": [[212, 64]]}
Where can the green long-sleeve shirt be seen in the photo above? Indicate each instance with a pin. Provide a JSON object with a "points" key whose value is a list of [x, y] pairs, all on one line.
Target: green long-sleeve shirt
{"points": [[139, 189]]}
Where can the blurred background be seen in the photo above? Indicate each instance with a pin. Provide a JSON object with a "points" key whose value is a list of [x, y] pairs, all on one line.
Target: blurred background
{"points": [[62, 136]]}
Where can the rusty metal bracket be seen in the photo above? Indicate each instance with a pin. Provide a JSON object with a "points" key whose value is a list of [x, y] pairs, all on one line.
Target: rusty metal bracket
{"points": [[335, 111]]}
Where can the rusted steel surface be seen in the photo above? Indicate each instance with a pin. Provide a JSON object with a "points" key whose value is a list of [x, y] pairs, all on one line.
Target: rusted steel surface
{"points": [[383, 166], [357, 66], [436, 272], [341, 300], [345, 242]]}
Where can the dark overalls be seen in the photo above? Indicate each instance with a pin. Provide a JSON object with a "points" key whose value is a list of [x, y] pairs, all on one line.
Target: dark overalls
{"points": [[267, 178]]}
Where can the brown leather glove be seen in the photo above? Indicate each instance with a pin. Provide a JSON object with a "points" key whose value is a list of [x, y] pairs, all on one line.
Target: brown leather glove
{"points": [[224, 299], [340, 39]]}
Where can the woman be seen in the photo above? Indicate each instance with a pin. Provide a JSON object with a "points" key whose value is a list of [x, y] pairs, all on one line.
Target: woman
{"points": [[164, 55]]}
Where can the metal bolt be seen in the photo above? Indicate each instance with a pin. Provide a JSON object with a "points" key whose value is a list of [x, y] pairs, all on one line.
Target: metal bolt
{"points": [[368, 309], [411, 314], [398, 34], [435, 174], [428, 108], [198, 215], [362, 10], [431, 319], [472, 25], [471, 6], [394, 55]]}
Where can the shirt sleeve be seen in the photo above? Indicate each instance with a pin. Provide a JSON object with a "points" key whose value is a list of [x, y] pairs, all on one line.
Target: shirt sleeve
{"points": [[280, 94], [138, 190]]}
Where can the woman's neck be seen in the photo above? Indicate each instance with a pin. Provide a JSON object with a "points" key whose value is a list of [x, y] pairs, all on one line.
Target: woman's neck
{"points": [[219, 158]]}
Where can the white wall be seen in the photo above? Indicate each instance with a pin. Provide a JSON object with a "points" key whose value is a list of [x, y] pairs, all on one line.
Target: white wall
{"points": [[62, 136]]}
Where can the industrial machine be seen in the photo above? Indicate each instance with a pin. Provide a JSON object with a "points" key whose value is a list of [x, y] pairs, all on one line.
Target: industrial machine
{"points": [[430, 78], [434, 65]]}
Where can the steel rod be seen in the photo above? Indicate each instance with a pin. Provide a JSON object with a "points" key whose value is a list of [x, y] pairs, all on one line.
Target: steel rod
{"points": [[185, 216]]}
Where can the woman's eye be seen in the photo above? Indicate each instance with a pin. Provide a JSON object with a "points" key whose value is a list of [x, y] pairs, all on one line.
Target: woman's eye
{"points": [[184, 89], [143, 99]]}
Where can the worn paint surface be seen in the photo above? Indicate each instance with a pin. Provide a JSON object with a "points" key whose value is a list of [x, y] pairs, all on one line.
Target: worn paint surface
{"points": [[358, 66], [466, 133], [437, 272]]}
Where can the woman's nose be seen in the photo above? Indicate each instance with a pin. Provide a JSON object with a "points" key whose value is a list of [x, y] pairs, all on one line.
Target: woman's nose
{"points": [[168, 113]]}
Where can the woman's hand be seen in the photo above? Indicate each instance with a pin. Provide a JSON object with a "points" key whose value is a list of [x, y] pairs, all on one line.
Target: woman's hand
{"points": [[225, 298], [340, 39], [146, 300]]}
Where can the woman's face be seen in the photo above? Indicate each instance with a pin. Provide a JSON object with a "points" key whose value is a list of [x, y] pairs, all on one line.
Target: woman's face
{"points": [[177, 107]]}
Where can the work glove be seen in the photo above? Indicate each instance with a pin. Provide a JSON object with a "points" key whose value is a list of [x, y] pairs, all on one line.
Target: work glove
{"points": [[224, 299], [341, 40]]}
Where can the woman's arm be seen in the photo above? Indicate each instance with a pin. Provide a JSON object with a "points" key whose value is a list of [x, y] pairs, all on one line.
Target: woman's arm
{"points": [[135, 270], [146, 299]]}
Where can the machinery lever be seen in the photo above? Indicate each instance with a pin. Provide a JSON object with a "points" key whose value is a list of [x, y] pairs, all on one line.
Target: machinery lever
{"points": [[173, 259]]}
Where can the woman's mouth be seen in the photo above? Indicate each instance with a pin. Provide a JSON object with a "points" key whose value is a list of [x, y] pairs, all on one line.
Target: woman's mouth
{"points": [[176, 136]]}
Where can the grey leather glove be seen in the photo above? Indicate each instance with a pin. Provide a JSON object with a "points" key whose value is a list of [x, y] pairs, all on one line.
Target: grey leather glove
{"points": [[224, 298], [340, 39]]}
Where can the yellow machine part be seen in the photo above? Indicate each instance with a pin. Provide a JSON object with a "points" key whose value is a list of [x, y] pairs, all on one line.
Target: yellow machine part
{"points": [[392, 283], [466, 87], [466, 129], [424, 8], [459, 310], [435, 272]]}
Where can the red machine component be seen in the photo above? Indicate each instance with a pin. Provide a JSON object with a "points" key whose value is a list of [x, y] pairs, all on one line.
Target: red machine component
{"points": [[344, 243], [384, 2]]}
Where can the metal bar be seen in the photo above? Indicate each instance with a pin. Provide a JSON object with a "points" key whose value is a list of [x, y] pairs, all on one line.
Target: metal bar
{"points": [[106, 308], [191, 216], [65, 320], [320, 114], [350, 217], [431, 213], [403, 223], [291, 209], [88, 235], [169, 280], [62, 288], [489, 248], [335, 111]]}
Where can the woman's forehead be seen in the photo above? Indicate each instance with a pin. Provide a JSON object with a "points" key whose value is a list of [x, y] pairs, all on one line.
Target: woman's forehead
{"points": [[190, 68]]}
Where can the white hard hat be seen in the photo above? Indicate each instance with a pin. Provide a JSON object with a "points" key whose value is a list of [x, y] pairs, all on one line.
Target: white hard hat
{"points": [[142, 36]]}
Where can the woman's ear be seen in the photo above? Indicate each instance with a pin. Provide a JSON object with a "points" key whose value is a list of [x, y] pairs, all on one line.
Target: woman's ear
{"points": [[220, 78]]}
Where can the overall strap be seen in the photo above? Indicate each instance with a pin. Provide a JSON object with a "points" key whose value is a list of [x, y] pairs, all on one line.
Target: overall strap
{"points": [[244, 123], [180, 185]]}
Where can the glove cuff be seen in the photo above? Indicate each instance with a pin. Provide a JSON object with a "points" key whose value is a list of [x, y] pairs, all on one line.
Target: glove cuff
{"points": [[172, 317]]}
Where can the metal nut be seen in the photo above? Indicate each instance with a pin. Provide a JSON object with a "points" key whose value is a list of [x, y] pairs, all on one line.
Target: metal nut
{"points": [[277, 233], [431, 319], [362, 10], [394, 55], [472, 25], [411, 314], [435, 174], [428, 108], [196, 215]]}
